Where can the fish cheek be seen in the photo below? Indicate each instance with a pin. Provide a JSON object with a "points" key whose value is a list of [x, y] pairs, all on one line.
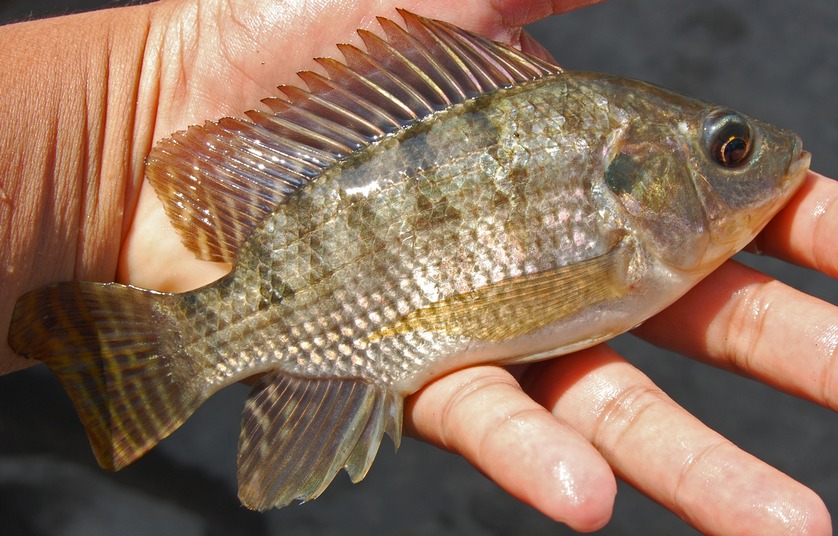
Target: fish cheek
{"points": [[654, 187]]}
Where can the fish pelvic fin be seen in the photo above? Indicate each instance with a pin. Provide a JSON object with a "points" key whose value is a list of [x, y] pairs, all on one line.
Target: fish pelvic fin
{"points": [[116, 352], [218, 181], [298, 432]]}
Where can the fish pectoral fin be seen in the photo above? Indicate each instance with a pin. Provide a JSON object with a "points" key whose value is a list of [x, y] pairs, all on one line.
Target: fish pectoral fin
{"points": [[522, 304], [298, 432], [120, 359]]}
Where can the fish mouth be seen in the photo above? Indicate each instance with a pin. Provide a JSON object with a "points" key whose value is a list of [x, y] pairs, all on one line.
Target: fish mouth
{"points": [[789, 184], [798, 166], [791, 180]]}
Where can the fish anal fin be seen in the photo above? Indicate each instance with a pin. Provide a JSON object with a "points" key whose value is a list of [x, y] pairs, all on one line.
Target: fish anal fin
{"points": [[522, 304], [297, 433], [115, 351]]}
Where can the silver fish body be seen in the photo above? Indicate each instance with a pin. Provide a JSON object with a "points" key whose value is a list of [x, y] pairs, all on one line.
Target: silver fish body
{"points": [[505, 225]]}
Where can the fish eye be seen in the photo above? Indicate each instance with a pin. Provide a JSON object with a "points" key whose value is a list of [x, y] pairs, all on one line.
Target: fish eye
{"points": [[728, 138]]}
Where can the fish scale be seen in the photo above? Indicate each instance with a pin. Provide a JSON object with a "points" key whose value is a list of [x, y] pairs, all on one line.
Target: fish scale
{"points": [[438, 201]]}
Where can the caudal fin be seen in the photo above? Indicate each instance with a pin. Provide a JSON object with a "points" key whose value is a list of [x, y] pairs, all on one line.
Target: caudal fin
{"points": [[119, 356]]}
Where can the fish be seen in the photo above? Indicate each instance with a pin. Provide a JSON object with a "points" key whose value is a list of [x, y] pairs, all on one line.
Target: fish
{"points": [[435, 201]]}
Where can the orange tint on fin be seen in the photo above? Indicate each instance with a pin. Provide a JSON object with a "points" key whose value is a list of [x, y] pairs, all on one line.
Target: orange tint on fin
{"points": [[520, 305], [116, 352], [297, 433], [219, 180]]}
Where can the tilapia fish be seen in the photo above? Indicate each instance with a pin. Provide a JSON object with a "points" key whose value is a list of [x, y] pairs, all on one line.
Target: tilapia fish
{"points": [[433, 202]]}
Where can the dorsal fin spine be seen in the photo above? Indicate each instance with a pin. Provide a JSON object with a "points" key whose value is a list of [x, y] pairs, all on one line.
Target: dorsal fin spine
{"points": [[481, 79], [374, 97], [491, 56], [390, 87], [301, 122], [379, 52], [301, 136], [317, 83], [404, 42], [358, 62], [311, 128], [431, 40], [493, 61], [430, 94], [328, 114]]}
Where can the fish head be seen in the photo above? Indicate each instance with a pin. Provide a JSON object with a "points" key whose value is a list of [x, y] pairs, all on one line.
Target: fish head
{"points": [[744, 171], [694, 181]]}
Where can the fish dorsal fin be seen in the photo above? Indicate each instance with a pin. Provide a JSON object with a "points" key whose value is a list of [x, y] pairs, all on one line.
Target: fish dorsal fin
{"points": [[297, 433], [219, 180]]}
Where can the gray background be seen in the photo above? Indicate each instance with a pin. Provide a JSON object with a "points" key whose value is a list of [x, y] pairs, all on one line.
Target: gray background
{"points": [[766, 58]]}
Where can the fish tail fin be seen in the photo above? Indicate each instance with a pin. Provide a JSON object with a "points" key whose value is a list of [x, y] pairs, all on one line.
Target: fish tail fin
{"points": [[119, 356]]}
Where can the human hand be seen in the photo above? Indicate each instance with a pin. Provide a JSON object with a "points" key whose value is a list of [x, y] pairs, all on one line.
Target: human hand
{"points": [[482, 413]]}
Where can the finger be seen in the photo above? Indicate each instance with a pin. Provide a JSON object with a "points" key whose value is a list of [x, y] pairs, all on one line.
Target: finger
{"points": [[803, 231], [742, 320], [668, 454], [482, 414], [531, 46], [517, 13]]}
